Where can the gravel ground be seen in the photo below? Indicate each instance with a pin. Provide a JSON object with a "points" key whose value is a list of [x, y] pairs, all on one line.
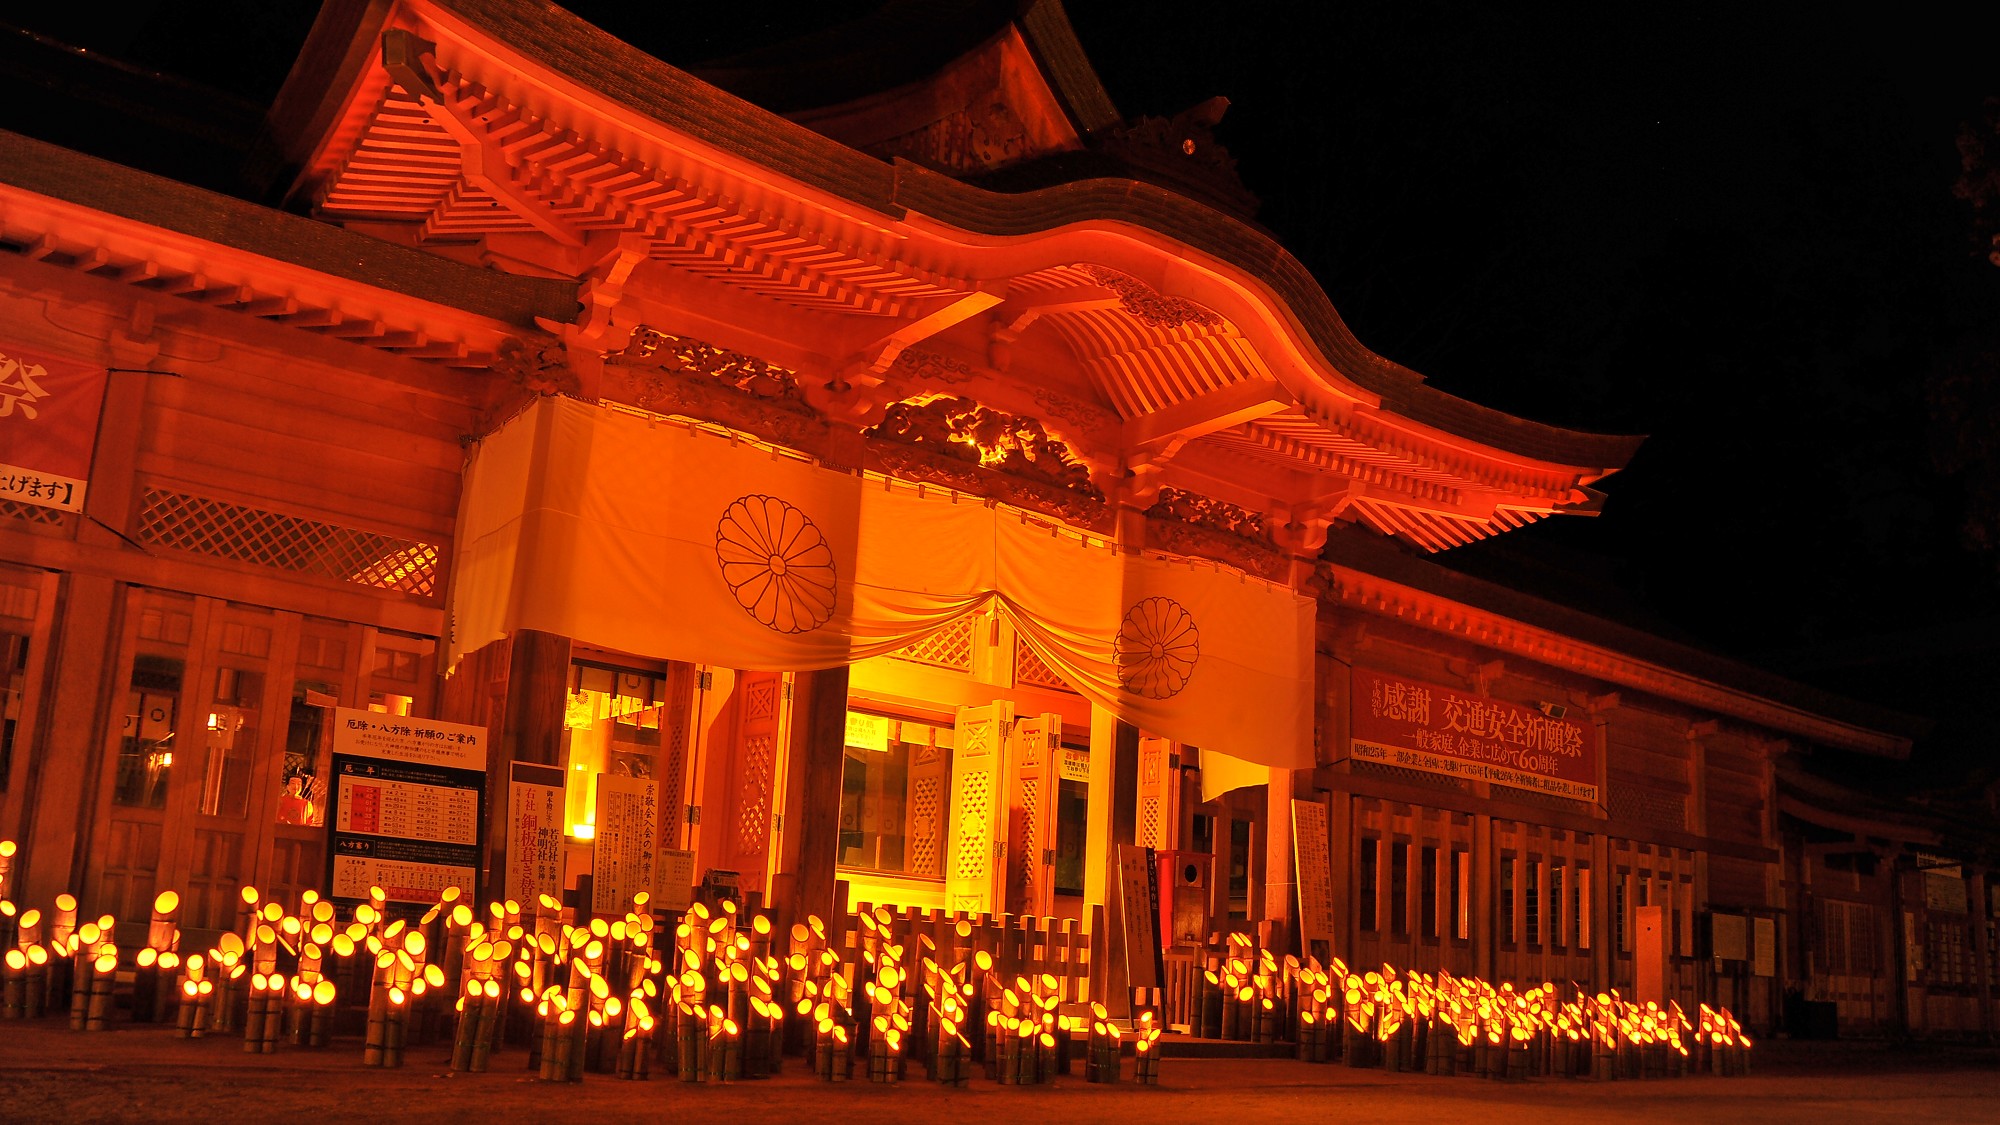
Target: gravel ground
{"points": [[143, 1074]]}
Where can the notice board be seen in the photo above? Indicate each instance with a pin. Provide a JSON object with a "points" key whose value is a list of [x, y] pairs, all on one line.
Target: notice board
{"points": [[1311, 852], [534, 832], [626, 843], [408, 809]]}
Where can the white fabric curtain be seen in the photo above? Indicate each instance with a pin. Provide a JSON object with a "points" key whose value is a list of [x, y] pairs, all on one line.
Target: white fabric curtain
{"points": [[651, 538]]}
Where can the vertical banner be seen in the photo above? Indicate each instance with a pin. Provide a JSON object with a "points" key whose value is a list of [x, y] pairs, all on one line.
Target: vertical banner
{"points": [[409, 807], [1311, 852], [626, 844], [48, 427], [534, 832]]}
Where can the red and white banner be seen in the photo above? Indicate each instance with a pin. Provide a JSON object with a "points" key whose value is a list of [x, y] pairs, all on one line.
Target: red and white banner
{"points": [[48, 425], [1422, 726]]}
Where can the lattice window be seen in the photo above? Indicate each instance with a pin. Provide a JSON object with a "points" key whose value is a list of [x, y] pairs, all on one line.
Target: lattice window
{"points": [[949, 647], [1648, 806], [762, 700], [924, 810], [1025, 833], [1149, 823], [975, 826], [753, 821], [33, 513], [1411, 777], [1029, 669], [235, 531]]}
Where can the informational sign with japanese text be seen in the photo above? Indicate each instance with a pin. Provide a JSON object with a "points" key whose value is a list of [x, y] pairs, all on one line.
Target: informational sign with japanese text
{"points": [[534, 832], [48, 428], [409, 806], [1139, 904], [676, 880], [1311, 851], [627, 842], [1396, 721]]}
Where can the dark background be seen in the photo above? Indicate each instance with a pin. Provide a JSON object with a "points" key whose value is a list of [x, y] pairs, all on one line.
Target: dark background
{"points": [[1729, 228]]}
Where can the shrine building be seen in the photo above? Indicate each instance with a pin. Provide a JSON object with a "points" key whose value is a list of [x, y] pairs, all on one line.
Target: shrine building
{"points": [[910, 495]]}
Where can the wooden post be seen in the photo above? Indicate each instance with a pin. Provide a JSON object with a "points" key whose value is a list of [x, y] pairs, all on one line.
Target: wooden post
{"points": [[819, 746]]}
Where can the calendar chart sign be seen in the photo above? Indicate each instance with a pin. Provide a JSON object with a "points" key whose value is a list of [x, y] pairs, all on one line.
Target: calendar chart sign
{"points": [[409, 807]]}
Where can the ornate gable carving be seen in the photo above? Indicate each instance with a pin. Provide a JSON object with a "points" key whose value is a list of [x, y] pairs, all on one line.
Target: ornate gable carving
{"points": [[1146, 305], [964, 430]]}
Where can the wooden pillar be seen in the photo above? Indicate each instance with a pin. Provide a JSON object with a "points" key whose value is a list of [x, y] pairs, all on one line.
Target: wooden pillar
{"points": [[819, 748], [1280, 879], [1097, 854], [1603, 942], [1485, 915], [66, 772], [1346, 881], [528, 728], [1108, 973]]}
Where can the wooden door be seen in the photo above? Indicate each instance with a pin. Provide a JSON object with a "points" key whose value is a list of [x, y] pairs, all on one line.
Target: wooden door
{"points": [[220, 819], [745, 834], [1032, 747], [974, 878], [144, 759]]}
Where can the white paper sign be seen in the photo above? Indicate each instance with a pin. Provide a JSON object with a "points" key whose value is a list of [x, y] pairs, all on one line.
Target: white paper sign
{"points": [[626, 844]]}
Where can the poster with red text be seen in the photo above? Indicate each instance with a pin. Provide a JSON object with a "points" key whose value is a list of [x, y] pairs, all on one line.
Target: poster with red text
{"points": [[48, 425], [1397, 721]]}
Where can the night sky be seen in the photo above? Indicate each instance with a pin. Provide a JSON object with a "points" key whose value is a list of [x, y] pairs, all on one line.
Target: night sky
{"points": [[1731, 228]]}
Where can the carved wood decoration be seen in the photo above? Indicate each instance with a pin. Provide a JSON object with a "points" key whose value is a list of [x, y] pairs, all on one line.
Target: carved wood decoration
{"points": [[967, 431], [1156, 797]]}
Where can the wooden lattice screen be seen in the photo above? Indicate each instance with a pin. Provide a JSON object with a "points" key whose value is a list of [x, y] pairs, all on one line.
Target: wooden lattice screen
{"points": [[949, 647], [224, 530]]}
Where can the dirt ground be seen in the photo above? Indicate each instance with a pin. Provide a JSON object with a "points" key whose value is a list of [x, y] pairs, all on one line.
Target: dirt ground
{"points": [[143, 1074]]}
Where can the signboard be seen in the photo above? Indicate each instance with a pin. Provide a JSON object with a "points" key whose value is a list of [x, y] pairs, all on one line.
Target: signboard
{"points": [[1397, 721], [1729, 937], [1075, 765], [1945, 892], [534, 832], [48, 428], [627, 840], [1764, 947], [408, 809], [1311, 853], [676, 880], [868, 732], [1139, 904]]}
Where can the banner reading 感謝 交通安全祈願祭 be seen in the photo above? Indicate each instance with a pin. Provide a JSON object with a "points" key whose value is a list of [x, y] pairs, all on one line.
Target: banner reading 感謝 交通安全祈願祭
{"points": [[1398, 721], [48, 427]]}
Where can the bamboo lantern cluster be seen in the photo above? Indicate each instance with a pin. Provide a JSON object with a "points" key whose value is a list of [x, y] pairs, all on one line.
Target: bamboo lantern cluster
{"points": [[1722, 1039], [152, 978], [951, 994], [1462, 1025], [24, 975], [1246, 996], [93, 957], [889, 1015], [1029, 1040], [1105, 1049]]}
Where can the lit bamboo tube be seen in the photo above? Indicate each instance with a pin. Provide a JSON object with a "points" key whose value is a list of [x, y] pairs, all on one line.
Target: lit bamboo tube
{"points": [[14, 985], [8, 849]]}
